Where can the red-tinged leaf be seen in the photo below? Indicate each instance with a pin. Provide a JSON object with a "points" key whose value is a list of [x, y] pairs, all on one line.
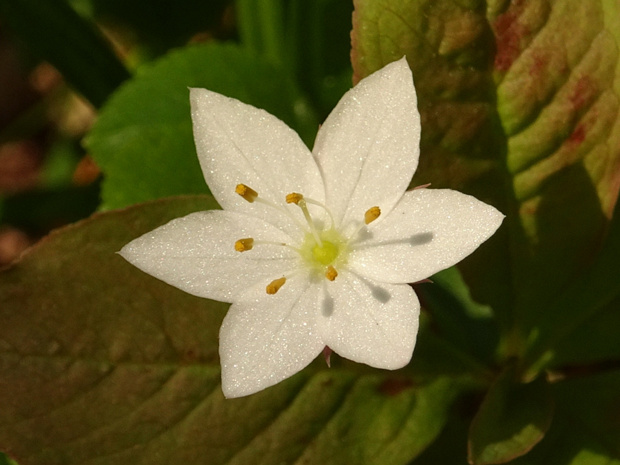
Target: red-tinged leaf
{"points": [[520, 108], [103, 364]]}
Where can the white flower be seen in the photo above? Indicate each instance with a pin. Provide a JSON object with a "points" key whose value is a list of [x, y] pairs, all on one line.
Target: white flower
{"points": [[314, 249]]}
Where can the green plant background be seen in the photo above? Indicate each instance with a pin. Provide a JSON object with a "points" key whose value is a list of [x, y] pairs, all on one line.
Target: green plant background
{"points": [[518, 357]]}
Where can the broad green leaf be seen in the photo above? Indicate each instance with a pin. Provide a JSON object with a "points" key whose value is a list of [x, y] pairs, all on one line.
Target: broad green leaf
{"points": [[103, 364], [585, 430], [512, 419], [520, 108], [143, 138], [57, 34]]}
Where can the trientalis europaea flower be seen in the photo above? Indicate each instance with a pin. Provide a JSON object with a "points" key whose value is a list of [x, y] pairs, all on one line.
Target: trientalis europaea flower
{"points": [[314, 249]]}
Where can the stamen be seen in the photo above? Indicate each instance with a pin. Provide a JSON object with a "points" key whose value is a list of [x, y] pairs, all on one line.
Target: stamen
{"points": [[243, 245], [299, 200], [246, 192], [251, 196], [331, 273], [275, 285], [372, 214], [295, 198]]}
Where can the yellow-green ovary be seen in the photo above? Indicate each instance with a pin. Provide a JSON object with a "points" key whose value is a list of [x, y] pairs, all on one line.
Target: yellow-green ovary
{"points": [[332, 249]]}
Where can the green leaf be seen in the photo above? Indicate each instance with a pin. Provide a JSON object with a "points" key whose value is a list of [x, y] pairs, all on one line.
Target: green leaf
{"points": [[519, 104], [57, 34], [143, 138], [101, 363], [585, 430], [512, 419]]}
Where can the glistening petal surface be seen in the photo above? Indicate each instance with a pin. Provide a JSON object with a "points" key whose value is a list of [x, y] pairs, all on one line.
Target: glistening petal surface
{"points": [[197, 254], [238, 143], [368, 322], [267, 338], [429, 230], [368, 147]]}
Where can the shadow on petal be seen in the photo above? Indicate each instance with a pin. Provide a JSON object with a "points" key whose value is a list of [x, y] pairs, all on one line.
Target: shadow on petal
{"points": [[327, 306]]}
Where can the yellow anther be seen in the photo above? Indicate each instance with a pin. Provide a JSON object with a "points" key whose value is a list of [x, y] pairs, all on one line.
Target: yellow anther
{"points": [[331, 273], [372, 214], [275, 285], [246, 192], [243, 245], [294, 197]]}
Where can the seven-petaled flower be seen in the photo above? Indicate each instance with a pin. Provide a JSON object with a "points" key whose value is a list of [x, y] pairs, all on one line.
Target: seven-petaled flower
{"points": [[314, 249]]}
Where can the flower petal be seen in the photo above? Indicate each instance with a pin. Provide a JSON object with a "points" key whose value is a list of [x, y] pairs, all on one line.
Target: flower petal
{"points": [[197, 254], [241, 144], [370, 323], [267, 338], [368, 147], [429, 230]]}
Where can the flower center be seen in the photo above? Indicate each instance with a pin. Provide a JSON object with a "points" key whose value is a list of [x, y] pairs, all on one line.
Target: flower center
{"points": [[331, 251], [325, 254], [322, 250]]}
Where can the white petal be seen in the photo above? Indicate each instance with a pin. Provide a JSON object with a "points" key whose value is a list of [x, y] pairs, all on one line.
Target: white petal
{"points": [[369, 322], [368, 147], [428, 231], [241, 144], [197, 254], [267, 338]]}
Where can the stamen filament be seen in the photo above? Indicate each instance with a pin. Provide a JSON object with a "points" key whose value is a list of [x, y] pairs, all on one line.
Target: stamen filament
{"points": [[275, 285], [304, 209], [324, 207], [300, 201]]}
